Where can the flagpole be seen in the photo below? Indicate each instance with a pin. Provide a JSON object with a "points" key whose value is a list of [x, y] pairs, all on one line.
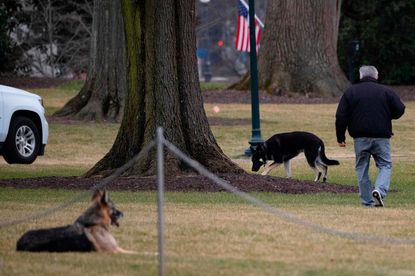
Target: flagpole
{"points": [[256, 126]]}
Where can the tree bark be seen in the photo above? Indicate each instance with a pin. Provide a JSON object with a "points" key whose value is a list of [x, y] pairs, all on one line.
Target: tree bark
{"points": [[298, 51], [163, 90], [102, 96]]}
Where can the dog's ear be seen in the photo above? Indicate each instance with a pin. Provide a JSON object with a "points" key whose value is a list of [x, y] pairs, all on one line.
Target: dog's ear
{"points": [[252, 149], [96, 195], [104, 197], [100, 196]]}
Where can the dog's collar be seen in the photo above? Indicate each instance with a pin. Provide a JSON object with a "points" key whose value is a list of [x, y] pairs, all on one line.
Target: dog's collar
{"points": [[79, 227], [268, 155], [264, 149], [80, 224]]}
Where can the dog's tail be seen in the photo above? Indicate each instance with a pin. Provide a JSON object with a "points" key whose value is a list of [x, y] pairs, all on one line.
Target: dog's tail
{"points": [[328, 162]]}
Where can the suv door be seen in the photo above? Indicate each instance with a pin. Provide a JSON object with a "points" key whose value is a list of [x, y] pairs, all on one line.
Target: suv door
{"points": [[2, 134]]}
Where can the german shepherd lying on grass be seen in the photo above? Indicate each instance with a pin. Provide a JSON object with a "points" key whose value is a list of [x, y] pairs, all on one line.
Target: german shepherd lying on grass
{"points": [[90, 232], [282, 147]]}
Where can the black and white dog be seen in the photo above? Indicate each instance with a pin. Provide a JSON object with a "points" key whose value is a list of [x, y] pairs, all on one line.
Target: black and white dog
{"points": [[282, 147]]}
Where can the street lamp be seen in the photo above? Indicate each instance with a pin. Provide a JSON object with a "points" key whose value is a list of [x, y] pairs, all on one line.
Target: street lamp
{"points": [[256, 126], [206, 70], [352, 48]]}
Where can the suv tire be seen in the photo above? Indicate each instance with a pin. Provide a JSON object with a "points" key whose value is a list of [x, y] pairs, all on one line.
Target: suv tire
{"points": [[23, 141]]}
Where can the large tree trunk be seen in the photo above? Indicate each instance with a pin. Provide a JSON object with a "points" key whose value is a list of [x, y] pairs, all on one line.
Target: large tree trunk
{"points": [[102, 96], [298, 51], [163, 90]]}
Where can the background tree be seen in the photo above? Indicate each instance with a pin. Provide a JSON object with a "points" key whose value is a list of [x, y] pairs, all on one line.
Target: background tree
{"points": [[385, 33], [53, 36], [102, 96], [298, 51], [163, 90], [9, 52]]}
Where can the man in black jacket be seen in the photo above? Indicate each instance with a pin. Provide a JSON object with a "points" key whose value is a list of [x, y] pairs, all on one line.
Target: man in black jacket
{"points": [[366, 110]]}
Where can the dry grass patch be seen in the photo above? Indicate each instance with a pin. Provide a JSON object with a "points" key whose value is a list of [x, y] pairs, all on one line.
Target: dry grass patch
{"points": [[83, 144], [201, 238]]}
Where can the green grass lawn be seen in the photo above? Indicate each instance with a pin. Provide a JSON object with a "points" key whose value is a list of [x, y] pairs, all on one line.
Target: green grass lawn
{"points": [[218, 233]]}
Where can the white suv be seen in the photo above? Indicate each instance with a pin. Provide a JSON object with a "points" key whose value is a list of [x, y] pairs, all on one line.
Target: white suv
{"points": [[23, 127]]}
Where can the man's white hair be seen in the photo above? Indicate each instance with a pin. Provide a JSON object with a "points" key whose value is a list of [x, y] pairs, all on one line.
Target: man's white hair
{"points": [[368, 71]]}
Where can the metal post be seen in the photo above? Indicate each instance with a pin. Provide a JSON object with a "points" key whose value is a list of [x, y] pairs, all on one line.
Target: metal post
{"points": [[256, 127], [160, 198], [206, 66], [351, 52]]}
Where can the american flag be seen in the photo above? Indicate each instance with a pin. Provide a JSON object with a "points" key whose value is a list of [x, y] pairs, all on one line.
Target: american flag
{"points": [[242, 41]]}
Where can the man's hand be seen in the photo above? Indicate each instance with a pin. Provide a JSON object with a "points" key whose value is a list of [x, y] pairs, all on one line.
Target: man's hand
{"points": [[342, 144]]}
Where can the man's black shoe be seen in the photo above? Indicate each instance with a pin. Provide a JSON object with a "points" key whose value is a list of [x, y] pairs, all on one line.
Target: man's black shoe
{"points": [[378, 198]]}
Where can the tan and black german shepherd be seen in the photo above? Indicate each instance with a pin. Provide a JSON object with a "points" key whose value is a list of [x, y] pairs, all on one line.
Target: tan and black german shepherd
{"points": [[90, 232]]}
